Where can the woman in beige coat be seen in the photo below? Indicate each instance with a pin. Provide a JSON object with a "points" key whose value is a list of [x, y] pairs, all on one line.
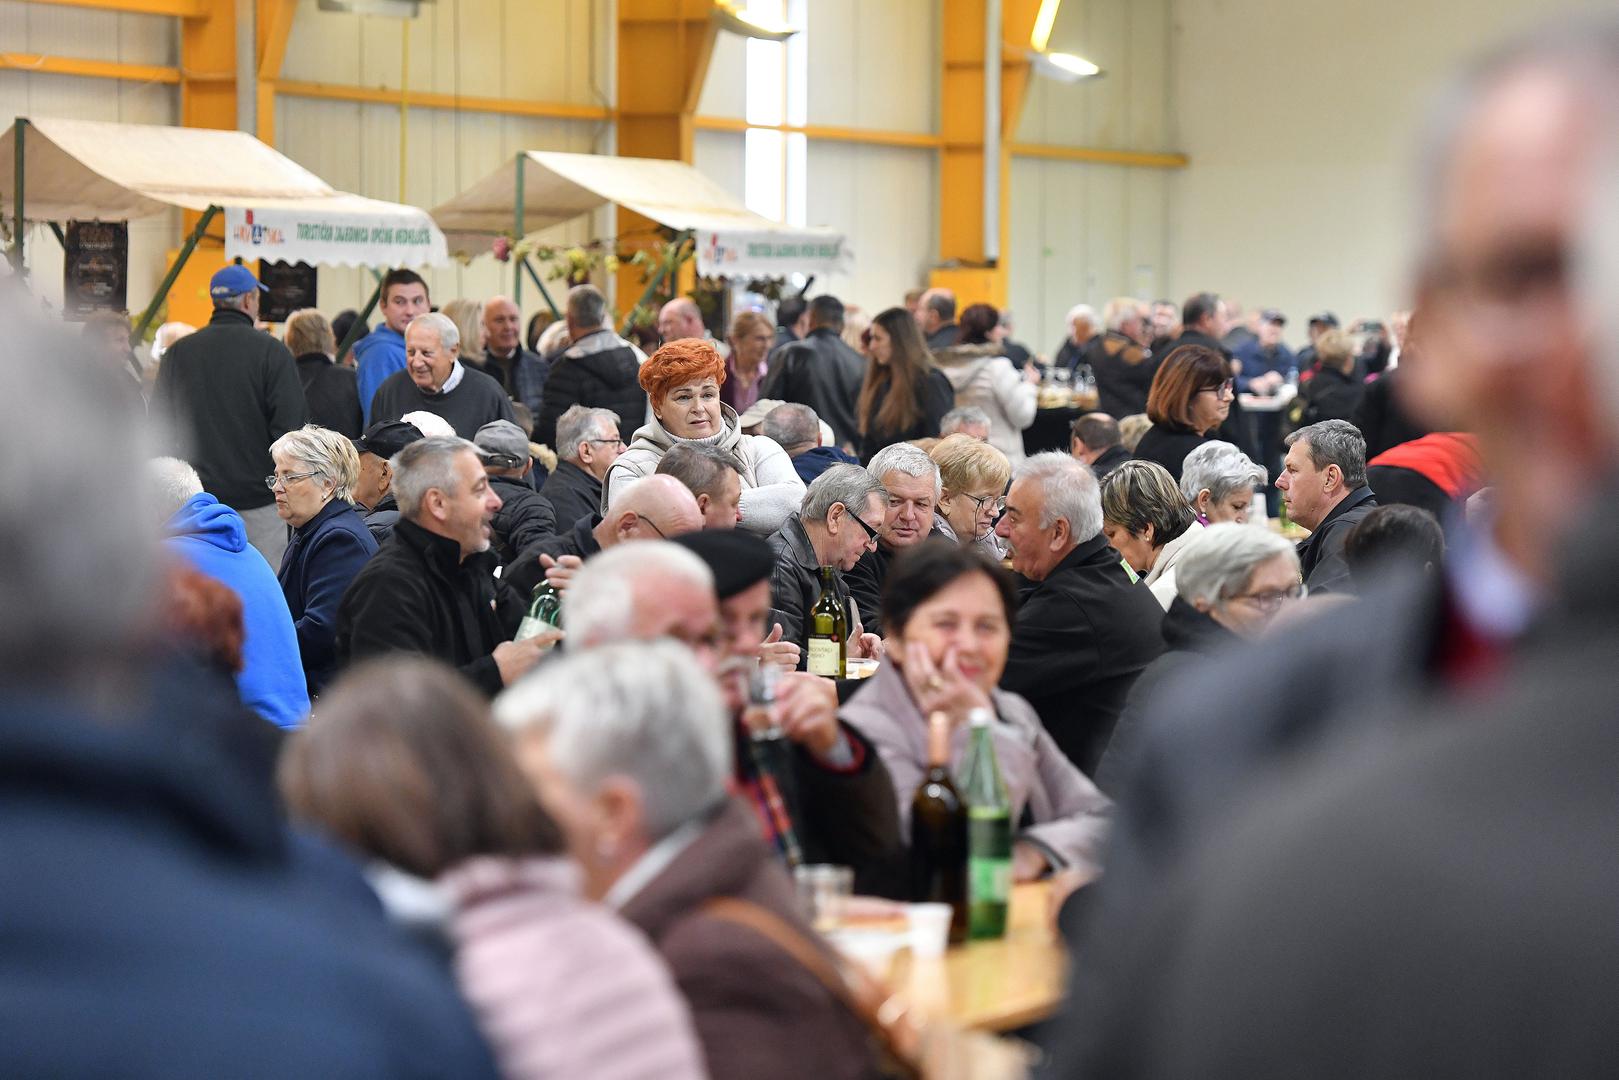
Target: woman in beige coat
{"points": [[983, 377]]}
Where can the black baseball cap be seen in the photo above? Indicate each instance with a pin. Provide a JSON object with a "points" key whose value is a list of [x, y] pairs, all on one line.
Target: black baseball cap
{"points": [[738, 559], [385, 438], [1324, 318], [1272, 315]]}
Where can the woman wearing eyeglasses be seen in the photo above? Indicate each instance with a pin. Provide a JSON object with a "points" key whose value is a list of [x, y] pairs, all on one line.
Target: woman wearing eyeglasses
{"points": [[972, 492], [1190, 398], [1230, 584], [315, 473]]}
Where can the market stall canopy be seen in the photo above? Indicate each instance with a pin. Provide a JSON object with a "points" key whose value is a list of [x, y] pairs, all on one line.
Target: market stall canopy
{"points": [[558, 187], [274, 207]]}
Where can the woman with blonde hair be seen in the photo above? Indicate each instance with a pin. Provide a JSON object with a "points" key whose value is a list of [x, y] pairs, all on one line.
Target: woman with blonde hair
{"points": [[468, 318], [904, 396], [972, 477], [1333, 392], [330, 389], [682, 381], [745, 369], [313, 484]]}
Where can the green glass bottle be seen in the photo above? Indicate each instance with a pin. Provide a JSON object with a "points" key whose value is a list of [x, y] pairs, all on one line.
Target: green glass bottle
{"points": [[828, 631], [544, 612], [989, 832]]}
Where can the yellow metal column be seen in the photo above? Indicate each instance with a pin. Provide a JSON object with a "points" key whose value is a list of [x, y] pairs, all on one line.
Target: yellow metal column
{"points": [[207, 100], [961, 161], [275, 26], [663, 52]]}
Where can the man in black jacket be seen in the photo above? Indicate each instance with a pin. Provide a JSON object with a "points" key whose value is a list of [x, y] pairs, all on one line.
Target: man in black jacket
{"points": [[1086, 628], [1323, 482], [520, 373], [588, 441], [229, 391], [525, 516], [1094, 439], [1120, 361], [373, 491], [821, 372], [431, 588], [599, 369]]}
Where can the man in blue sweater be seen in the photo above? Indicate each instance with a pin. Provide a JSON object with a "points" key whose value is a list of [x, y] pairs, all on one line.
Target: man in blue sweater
{"points": [[382, 352], [212, 538]]}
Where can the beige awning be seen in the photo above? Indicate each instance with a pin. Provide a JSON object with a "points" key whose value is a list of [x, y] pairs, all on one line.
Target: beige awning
{"points": [[89, 170], [559, 187]]}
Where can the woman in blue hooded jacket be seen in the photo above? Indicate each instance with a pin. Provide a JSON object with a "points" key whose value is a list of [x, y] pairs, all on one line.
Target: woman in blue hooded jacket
{"points": [[313, 485]]}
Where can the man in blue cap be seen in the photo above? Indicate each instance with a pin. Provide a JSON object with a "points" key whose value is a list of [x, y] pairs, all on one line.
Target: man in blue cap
{"points": [[229, 391]]}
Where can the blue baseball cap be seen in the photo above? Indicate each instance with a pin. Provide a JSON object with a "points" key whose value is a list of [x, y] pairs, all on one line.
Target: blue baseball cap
{"points": [[234, 281]]}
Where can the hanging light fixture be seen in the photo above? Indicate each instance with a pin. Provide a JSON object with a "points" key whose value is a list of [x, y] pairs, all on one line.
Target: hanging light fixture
{"points": [[1064, 67], [733, 16], [390, 9]]}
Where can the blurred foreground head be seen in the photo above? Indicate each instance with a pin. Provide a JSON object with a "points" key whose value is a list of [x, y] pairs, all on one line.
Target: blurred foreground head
{"points": [[77, 546], [1519, 273]]}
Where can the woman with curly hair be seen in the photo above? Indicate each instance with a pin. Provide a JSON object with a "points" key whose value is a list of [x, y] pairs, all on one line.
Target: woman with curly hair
{"points": [[682, 380], [904, 396]]}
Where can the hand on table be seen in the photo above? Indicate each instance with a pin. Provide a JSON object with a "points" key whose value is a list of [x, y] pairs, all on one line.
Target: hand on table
{"points": [[869, 646], [1029, 863]]}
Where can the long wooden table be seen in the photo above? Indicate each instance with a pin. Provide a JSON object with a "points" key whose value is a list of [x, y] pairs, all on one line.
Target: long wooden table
{"points": [[993, 985]]}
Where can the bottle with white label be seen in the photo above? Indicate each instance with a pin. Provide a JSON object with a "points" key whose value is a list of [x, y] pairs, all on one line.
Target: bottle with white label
{"points": [[828, 631]]}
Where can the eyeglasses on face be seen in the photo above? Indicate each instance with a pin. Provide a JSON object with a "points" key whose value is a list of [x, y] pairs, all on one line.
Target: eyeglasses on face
{"points": [[872, 534], [607, 442], [273, 482], [1271, 600], [997, 502], [1224, 390]]}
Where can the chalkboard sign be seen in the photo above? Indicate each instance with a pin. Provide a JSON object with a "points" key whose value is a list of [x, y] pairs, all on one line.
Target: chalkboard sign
{"points": [[291, 285], [95, 268]]}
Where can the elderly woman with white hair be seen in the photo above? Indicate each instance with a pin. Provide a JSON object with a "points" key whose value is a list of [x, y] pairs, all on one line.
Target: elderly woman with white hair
{"points": [[313, 484], [629, 746], [1147, 521], [435, 380], [1218, 481], [1229, 586]]}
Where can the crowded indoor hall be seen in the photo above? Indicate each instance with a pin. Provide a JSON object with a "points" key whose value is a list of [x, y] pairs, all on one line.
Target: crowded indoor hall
{"points": [[590, 579]]}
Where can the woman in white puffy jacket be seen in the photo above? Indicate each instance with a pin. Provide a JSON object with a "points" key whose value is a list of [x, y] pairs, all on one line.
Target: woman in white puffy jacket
{"points": [[984, 378], [682, 381]]}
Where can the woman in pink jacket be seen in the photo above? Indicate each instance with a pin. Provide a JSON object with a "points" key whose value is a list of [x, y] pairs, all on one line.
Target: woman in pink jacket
{"points": [[404, 765]]}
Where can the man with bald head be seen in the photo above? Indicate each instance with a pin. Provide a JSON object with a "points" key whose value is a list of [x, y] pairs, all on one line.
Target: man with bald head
{"points": [[520, 373], [656, 508]]}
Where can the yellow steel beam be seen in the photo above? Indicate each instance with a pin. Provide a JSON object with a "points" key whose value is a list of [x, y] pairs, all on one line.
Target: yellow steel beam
{"points": [[94, 69], [921, 140], [422, 99], [274, 28], [1138, 158], [207, 100], [663, 51], [185, 9]]}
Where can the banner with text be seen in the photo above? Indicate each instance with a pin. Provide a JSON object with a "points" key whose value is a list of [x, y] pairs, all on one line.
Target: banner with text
{"points": [[770, 254], [332, 237]]}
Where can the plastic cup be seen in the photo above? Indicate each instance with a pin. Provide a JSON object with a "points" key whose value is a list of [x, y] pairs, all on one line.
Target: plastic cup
{"points": [[930, 929], [822, 890]]}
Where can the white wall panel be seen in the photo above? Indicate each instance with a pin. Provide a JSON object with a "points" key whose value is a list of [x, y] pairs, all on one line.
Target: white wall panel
{"points": [[719, 157], [874, 65], [884, 199], [94, 35], [725, 88]]}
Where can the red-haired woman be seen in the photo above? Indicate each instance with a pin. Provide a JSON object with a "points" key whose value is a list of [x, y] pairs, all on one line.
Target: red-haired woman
{"points": [[904, 396], [682, 380], [1190, 398]]}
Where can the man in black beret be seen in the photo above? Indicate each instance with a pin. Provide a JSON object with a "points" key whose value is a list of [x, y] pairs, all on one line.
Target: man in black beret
{"points": [[818, 786]]}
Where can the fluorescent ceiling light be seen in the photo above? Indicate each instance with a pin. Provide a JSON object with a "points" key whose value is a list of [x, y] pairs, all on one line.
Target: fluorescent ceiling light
{"points": [[1064, 67], [1043, 22], [731, 17]]}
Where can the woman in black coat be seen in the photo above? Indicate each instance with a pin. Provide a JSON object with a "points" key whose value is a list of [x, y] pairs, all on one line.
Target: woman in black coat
{"points": [[1334, 392], [904, 396], [1190, 398], [315, 473]]}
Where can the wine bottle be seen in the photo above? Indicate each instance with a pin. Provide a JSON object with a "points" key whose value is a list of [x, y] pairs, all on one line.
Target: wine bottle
{"points": [[829, 630], [989, 833], [544, 612], [939, 833]]}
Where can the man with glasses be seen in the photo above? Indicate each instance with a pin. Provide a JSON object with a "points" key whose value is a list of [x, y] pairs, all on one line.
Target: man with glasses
{"points": [[837, 523], [912, 481], [587, 443], [657, 508], [1323, 483]]}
